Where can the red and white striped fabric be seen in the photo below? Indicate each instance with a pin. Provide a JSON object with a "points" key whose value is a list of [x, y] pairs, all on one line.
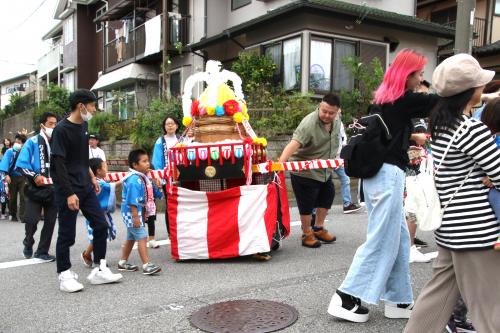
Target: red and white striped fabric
{"points": [[231, 223]]}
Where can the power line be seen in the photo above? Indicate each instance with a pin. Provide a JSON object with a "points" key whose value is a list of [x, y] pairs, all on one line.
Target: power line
{"points": [[27, 18]]}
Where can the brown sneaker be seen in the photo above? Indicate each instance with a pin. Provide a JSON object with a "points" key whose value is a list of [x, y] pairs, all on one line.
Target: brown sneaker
{"points": [[308, 240], [324, 236]]}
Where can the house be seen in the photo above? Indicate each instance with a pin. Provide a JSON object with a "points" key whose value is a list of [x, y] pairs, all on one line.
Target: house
{"points": [[133, 52], [75, 57], [309, 39], [486, 28], [22, 85]]}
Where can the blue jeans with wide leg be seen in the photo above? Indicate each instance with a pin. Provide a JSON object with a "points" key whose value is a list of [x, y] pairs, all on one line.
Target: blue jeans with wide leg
{"points": [[380, 267]]}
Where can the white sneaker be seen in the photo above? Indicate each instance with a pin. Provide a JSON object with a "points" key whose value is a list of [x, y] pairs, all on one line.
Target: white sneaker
{"points": [[398, 311], [68, 282], [102, 274], [417, 256], [152, 244]]}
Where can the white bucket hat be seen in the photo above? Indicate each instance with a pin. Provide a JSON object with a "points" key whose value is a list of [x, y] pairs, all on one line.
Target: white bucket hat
{"points": [[459, 73]]}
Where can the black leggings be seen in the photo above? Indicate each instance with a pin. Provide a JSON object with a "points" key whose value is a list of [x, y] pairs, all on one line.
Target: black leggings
{"points": [[4, 206], [151, 225]]}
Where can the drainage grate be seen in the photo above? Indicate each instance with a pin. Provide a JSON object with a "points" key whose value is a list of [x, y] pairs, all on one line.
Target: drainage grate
{"points": [[244, 316]]}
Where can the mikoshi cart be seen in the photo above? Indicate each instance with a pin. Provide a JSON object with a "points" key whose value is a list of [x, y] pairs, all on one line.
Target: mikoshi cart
{"points": [[218, 208]]}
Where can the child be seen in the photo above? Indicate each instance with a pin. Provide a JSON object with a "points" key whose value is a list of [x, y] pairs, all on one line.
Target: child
{"points": [[136, 206], [107, 201], [491, 118], [155, 193]]}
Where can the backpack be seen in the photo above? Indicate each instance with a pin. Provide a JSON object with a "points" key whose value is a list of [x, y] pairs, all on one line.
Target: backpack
{"points": [[367, 148]]}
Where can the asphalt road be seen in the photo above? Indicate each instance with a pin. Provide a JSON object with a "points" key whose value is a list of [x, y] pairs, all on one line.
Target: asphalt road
{"points": [[303, 278]]}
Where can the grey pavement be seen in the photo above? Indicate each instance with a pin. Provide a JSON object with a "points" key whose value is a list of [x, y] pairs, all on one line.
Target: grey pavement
{"points": [[303, 278]]}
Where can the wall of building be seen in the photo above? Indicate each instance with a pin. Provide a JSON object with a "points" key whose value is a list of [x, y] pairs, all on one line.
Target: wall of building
{"points": [[495, 29], [89, 49]]}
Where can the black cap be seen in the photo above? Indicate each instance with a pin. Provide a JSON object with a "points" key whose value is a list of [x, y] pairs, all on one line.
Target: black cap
{"points": [[84, 96], [93, 136]]}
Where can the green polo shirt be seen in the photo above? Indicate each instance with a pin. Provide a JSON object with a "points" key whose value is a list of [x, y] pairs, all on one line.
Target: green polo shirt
{"points": [[316, 142]]}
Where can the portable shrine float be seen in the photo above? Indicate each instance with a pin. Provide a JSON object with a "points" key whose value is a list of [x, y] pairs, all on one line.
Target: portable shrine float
{"points": [[220, 203]]}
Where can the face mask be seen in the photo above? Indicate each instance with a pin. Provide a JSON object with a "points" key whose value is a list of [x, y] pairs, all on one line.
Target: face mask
{"points": [[48, 131], [17, 146], [86, 117]]}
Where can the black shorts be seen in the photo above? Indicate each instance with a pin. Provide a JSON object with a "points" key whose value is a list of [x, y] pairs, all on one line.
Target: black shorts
{"points": [[311, 193]]}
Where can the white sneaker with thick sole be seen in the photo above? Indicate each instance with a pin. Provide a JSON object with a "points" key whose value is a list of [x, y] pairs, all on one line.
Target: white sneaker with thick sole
{"points": [[398, 311], [68, 282], [352, 310], [417, 256], [103, 275]]}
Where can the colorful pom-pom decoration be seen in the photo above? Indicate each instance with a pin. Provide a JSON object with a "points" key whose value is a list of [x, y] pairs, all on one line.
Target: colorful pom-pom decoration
{"points": [[210, 110], [186, 121], [231, 107], [194, 108], [260, 141], [219, 111], [238, 117], [203, 111]]}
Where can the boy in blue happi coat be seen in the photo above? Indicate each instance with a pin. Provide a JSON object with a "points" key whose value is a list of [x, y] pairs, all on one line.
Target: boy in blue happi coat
{"points": [[107, 201]]}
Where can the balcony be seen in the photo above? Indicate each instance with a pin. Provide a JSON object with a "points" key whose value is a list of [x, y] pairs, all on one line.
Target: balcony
{"points": [[478, 31], [50, 61], [133, 47]]}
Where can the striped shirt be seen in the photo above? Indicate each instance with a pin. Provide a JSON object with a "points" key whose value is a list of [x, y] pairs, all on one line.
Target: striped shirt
{"points": [[468, 221]]}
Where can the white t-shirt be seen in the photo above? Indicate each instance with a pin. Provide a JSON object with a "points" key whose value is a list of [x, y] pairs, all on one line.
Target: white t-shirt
{"points": [[97, 152]]}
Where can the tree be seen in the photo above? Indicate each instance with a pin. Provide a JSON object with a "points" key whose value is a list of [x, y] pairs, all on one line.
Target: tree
{"points": [[368, 77]]}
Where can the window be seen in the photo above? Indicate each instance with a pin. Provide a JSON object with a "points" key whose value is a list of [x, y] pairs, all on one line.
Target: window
{"points": [[68, 30], [497, 7], [321, 65], [121, 102], [274, 52], [69, 81], [175, 84], [327, 71], [99, 12], [287, 57], [342, 77], [446, 16], [235, 4]]}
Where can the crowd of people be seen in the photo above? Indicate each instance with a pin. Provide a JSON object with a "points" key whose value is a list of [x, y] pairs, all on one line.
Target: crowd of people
{"points": [[457, 122]]}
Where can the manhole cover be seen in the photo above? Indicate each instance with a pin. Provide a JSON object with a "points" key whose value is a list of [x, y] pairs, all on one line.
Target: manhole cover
{"points": [[248, 316]]}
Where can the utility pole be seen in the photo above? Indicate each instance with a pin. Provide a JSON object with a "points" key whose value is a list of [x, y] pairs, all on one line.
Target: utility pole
{"points": [[463, 28], [165, 65]]}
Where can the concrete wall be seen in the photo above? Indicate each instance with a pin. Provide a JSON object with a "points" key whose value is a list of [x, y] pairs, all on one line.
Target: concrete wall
{"points": [[10, 126]]}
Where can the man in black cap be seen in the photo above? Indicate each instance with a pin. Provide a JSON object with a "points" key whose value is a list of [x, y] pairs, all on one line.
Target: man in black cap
{"points": [[75, 189], [94, 150]]}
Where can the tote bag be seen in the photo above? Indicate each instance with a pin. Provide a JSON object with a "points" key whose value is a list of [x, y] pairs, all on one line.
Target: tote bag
{"points": [[422, 196]]}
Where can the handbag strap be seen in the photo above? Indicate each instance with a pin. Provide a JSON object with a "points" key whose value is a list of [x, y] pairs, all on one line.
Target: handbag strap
{"points": [[449, 145], [460, 187], [442, 159]]}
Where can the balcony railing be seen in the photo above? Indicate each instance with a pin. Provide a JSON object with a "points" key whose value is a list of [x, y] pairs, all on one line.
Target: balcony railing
{"points": [[131, 48], [50, 61], [478, 30]]}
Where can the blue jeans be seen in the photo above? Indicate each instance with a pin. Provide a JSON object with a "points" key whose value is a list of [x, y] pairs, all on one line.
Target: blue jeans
{"points": [[380, 268], [345, 187], [494, 197]]}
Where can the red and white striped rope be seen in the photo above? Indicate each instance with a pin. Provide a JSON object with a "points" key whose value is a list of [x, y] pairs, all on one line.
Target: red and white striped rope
{"points": [[261, 167]]}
